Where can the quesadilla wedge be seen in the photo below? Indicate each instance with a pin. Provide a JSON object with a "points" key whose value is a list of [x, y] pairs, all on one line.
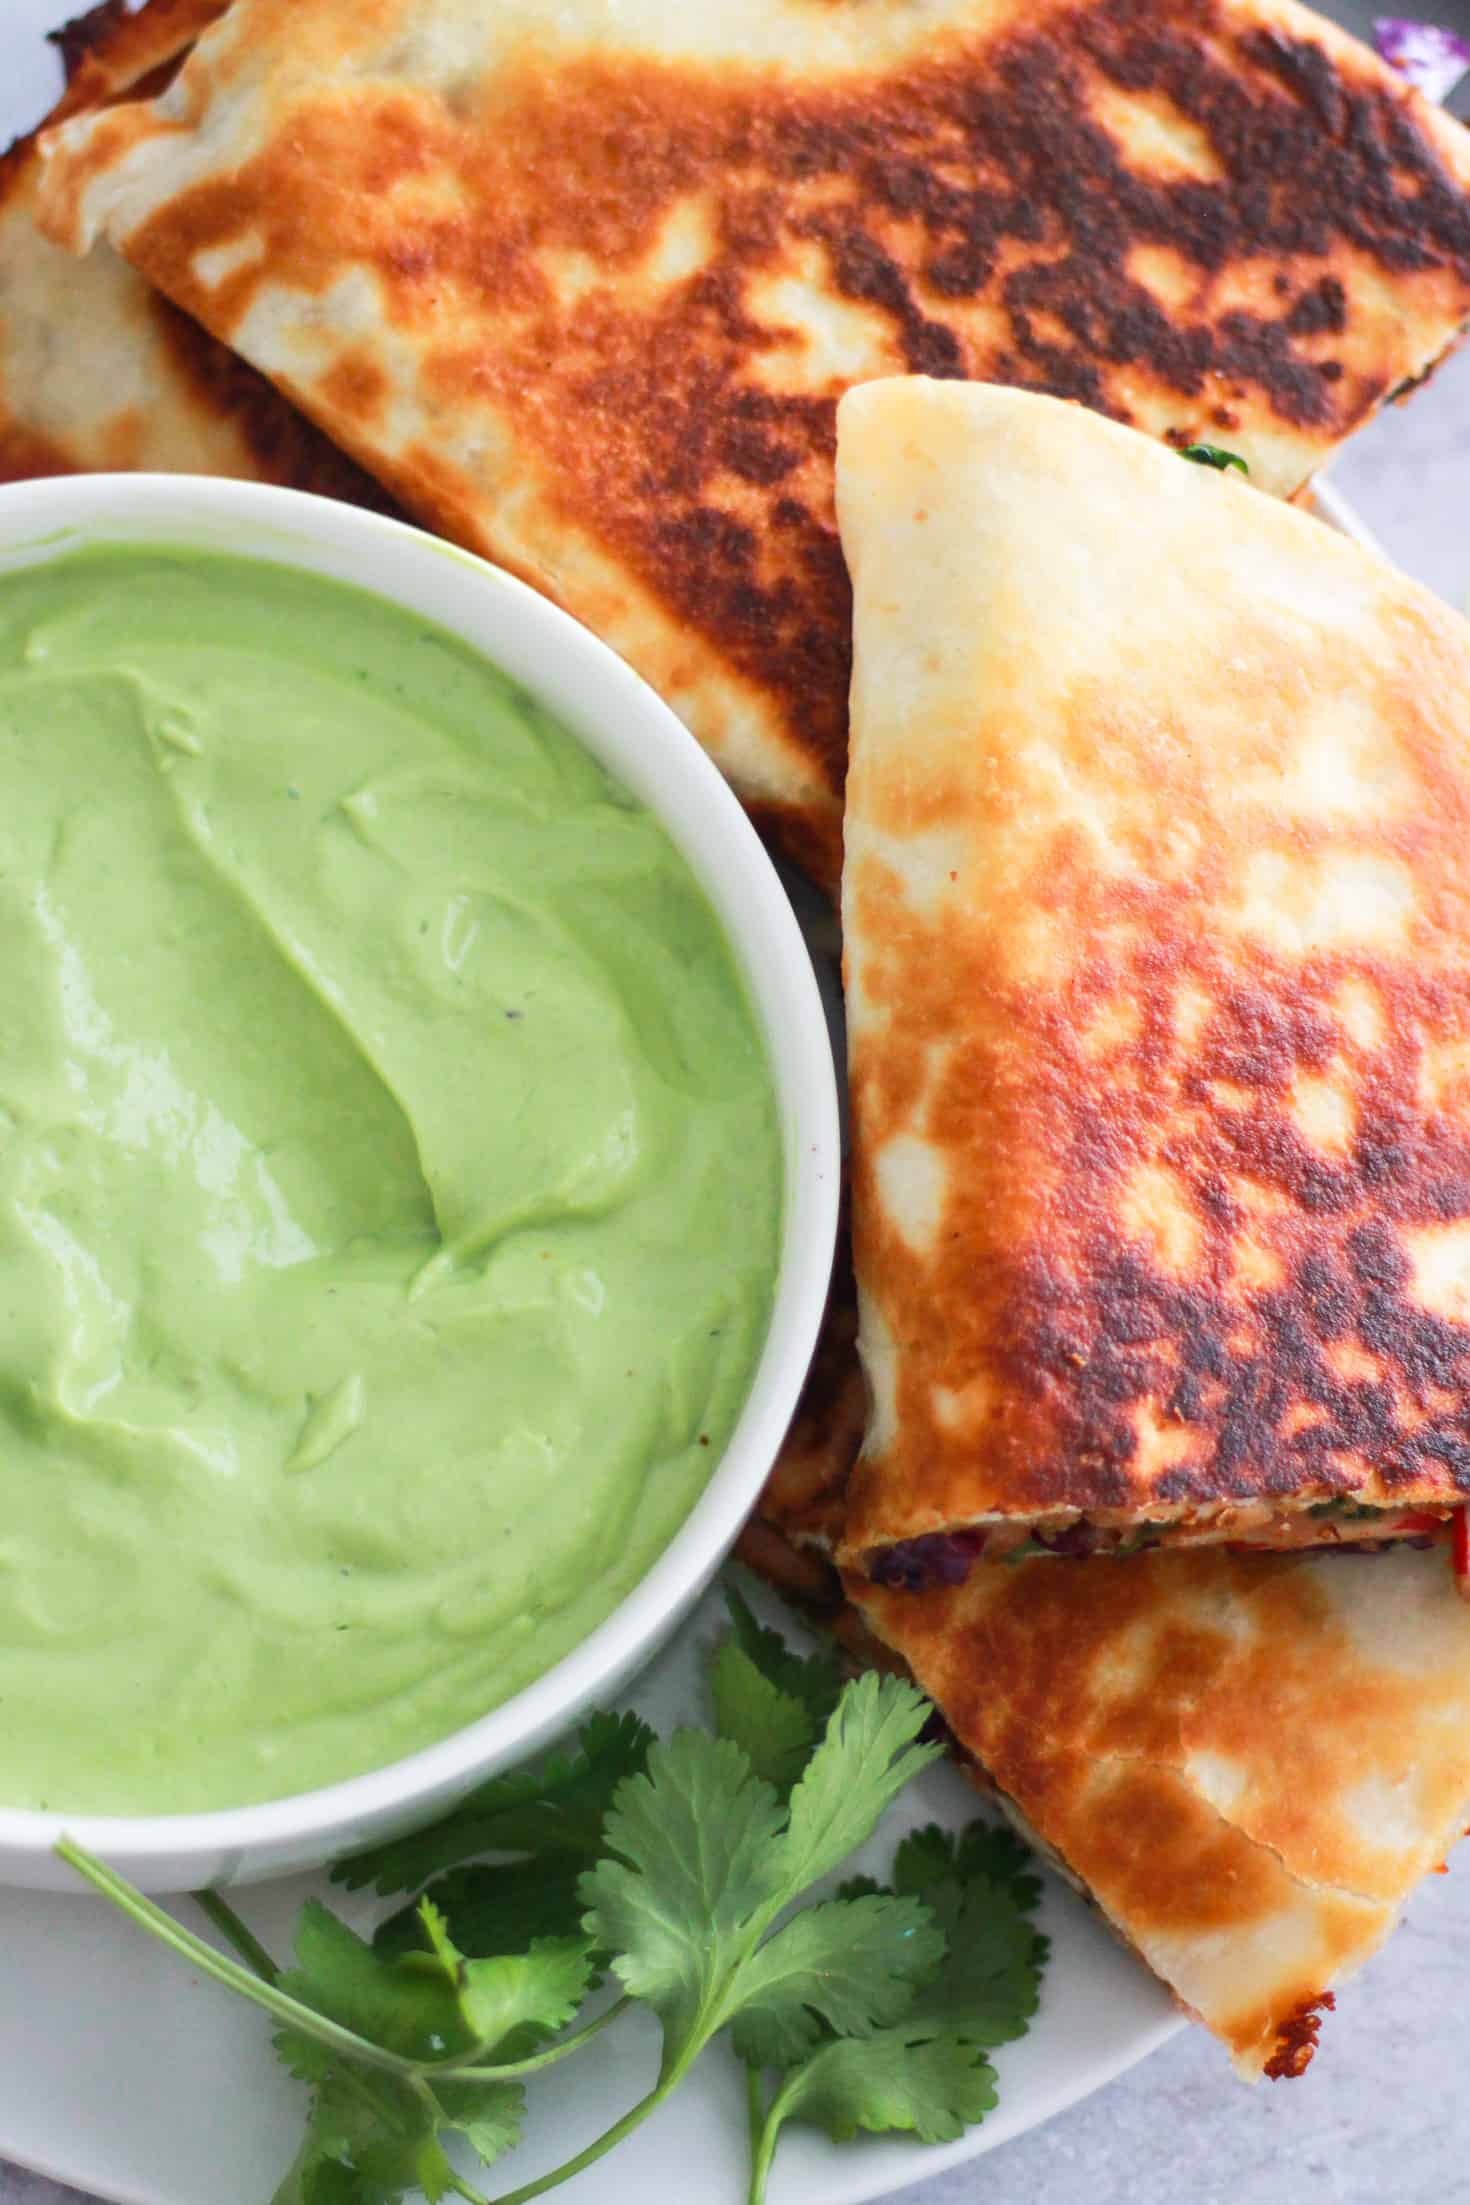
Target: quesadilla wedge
{"points": [[1246, 1761], [97, 370], [1157, 934], [582, 285]]}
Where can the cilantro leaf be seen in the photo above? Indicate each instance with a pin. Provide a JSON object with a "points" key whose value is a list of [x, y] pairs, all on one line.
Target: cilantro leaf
{"points": [[500, 1907], [705, 1863], [385, 2131], [694, 1839], [983, 1848], [987, 1987], [1213, 455], [431, 2004], [487, 2114], [775, 1732], [306, 2059], [976, 1985], [556, 1808], [852, 1964], [408, 2010], [931, 2083], [378, 2126], [513, 1999], [372, 2138], [316, 2179], [814, 1681], [865, 1759], [981, 1886]]}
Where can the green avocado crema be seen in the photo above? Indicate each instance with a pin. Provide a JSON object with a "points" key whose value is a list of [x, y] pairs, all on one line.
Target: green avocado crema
{"points": [[390, 1185]]}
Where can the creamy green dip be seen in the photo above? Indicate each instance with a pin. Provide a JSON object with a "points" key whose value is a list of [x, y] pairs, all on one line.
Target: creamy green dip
{"points": [[389, 1185]]}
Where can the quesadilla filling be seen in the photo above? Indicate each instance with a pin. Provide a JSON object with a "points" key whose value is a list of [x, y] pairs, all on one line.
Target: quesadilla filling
{"points": [[946, 1557]]}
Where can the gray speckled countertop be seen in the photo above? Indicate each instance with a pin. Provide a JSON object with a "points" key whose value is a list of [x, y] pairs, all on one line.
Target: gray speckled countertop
{"points": [[1383, 2117]]}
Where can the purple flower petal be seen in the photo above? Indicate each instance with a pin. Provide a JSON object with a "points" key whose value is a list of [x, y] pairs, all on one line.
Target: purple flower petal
{"points": [[1430, 56]]}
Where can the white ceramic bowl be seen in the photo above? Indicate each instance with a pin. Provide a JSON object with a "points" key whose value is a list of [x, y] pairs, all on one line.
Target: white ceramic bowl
{"points": [[624, 724]]}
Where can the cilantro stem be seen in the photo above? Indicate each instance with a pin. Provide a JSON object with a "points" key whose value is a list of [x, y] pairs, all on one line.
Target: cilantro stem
{"points": [[755, 2112], [261, 1986], [225, 1971], [765, 2146], [596, 2150], [538, 2060], [219, 1911], [671, 2074]]}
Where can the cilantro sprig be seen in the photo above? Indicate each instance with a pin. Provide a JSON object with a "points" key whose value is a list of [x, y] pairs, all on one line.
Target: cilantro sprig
{"points": [[400, 2053], [926, 2072], [694, 1872]]}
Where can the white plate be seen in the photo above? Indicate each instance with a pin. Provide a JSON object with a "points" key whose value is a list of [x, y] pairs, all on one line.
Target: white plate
{"points": [[124, 2073]]}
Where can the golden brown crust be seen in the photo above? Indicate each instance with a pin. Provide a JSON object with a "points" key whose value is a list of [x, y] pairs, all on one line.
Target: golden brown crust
{"points": [[1249, 1761], [146, 387], [629, 283], [1254, 1756], [113, 52], [1159, 1014], [75, 39]]}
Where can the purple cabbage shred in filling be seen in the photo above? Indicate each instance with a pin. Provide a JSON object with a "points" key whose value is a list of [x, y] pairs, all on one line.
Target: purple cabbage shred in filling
{"points": [[1078, 1540], [934, 1558], [1431, 57]]}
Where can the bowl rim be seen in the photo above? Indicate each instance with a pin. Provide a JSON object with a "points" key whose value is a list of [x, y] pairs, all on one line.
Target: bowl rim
{"points": [[50, 517]]}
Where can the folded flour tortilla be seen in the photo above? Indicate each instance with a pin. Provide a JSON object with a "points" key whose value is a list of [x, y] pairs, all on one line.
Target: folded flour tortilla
{"points": [[1157, 925], [583, 284], [97, 371], [1247, 1761]]}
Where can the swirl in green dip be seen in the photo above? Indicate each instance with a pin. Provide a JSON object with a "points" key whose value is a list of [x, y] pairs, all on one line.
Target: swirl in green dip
{"points": [[389, 1185]]}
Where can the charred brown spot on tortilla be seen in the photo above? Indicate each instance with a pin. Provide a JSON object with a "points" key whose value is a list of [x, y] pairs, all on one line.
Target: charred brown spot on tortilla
{"points": [[110, 54], [114, 51], [76, 39], [1268, 1326], [286, 446], [25, 456], [1244, 1366], [1298, 2039], [603, 247]]}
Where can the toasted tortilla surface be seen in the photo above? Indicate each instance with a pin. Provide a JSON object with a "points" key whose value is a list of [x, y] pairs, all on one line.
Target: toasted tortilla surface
{"points": [[1157, 938], [99, 372], [1247, 1761], [583, 286]]}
